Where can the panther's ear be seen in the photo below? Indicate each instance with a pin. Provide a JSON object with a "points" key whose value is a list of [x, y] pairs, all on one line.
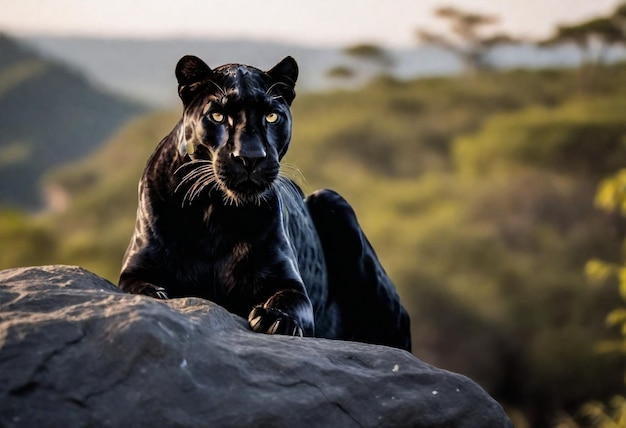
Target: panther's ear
{"points": [[285, 74], [190, 70]]}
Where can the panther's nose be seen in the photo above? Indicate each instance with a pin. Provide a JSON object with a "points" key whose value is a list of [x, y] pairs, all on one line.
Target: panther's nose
{"points": [[248, 149], [249, 159]]}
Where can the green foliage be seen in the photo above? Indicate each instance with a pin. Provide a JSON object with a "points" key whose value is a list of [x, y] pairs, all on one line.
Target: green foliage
{"points": [[601, 417], [581, 136], [598, 414], [610, 197], [25, 241]]}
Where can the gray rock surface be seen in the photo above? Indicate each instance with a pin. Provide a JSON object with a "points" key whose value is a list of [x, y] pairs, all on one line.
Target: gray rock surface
{"points": [[75, 351]]}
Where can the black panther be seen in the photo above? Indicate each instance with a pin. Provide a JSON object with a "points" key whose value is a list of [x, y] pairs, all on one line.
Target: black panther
{"points": [[218, 220]]}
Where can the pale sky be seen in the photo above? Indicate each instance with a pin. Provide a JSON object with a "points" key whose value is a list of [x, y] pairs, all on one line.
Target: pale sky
{"points": [[391, 23]]}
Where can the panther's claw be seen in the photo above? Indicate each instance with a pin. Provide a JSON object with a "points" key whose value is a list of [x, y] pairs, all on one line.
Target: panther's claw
{"points": [[156, 292], [162, 295], [274, 327], [273, 321], [255, 322]]}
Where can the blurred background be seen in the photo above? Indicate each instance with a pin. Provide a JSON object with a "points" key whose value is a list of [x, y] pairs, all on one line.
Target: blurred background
{"points": [[481, 144]]}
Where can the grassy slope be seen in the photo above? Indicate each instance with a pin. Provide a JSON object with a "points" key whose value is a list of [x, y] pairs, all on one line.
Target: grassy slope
{"points": [[49, 116]]}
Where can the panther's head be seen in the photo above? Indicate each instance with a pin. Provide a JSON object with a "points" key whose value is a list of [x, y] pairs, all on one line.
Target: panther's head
{"points": [[235, 129]]}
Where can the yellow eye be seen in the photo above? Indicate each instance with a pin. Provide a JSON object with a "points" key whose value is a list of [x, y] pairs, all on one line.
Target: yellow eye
{"points": [[271, 118], [216, 116]]}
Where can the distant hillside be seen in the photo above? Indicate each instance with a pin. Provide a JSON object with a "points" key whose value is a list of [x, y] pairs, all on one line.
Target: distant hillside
{"points": [[145, 68], [49, 115]]}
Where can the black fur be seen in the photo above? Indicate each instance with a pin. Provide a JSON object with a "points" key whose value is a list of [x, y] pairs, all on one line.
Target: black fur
{"points": [[217, 221]]}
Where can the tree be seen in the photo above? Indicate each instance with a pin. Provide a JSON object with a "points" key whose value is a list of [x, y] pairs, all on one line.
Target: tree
{"points": [[597, 34], [369, 52], [466, 41], [341, 72], [619, 18], [371, 60]]}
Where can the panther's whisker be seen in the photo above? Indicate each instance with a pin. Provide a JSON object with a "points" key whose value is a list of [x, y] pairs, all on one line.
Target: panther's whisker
{"points": [[202, 177], [193, 188], [191, 163], [195, 174], [292, 172], [263, 198], [188, 194], [219, 88], [201, 185], [230, 198], [198, 186], [271, 88], [187, 179]]}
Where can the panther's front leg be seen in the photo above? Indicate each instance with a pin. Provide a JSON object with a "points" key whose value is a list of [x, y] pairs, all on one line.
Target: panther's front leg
{"points": [[287, 312]]}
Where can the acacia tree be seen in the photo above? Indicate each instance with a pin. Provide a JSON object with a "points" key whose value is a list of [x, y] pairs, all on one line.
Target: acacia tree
{"points": [[366, 53], [341, 72], [466, 40], [619, 18], [369, 52], [598, 34]]}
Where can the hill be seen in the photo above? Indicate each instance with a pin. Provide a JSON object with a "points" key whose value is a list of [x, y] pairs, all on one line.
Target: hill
{"points": [[144, 67], [49, 115], [477, 195]]}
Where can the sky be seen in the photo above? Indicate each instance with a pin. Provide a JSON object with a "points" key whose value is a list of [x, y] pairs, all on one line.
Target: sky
{"points": [[390, 23]]}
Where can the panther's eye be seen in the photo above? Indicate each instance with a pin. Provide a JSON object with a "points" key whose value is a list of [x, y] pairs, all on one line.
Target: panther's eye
{"points": [[216, 116], [272, 118]]}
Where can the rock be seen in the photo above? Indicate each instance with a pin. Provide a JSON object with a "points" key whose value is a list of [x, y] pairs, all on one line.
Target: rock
{"points": [[76, 351]]}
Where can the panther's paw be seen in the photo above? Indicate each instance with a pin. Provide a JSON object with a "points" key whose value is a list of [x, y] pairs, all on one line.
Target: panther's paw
{"points": [[273, 321]]}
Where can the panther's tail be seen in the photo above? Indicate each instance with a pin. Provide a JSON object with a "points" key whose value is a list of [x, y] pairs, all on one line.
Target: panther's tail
{"points": [[370, 306]]}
